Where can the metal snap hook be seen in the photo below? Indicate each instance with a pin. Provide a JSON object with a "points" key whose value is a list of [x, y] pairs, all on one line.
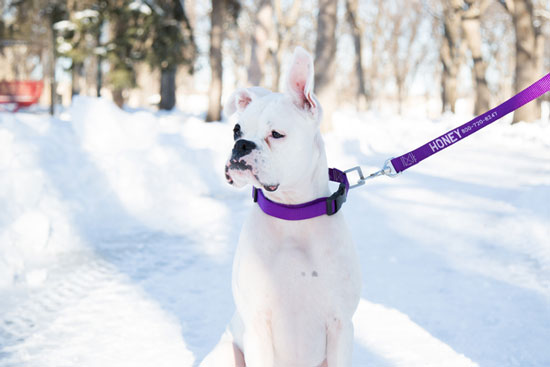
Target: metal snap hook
{"points": [[387, 170]]}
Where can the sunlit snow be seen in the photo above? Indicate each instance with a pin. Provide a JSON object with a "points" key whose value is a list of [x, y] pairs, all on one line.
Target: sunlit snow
{"points": [[117, 232]]}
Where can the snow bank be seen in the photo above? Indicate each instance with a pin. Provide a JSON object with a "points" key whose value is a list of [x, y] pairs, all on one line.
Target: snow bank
{"points": [[65, 184], [152, 163], [35, 222]]}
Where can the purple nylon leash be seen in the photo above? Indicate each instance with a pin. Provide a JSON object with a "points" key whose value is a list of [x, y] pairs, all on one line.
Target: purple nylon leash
{"points": [[395, 166], [530, 93]]}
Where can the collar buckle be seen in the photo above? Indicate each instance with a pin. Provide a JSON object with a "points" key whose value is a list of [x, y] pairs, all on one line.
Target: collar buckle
{"points": [[255, 194], [338, 198]]}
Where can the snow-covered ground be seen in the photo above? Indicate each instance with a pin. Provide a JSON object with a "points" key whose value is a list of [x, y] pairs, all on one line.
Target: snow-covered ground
{"points": [[117, 233]]}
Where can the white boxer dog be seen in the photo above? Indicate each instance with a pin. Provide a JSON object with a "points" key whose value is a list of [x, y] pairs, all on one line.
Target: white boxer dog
{"points": [[296, 283]]}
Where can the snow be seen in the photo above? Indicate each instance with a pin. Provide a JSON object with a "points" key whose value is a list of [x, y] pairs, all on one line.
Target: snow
{"points": [[117, 233], [64, 47], [86, 13], [138, 5], [64, 26]]}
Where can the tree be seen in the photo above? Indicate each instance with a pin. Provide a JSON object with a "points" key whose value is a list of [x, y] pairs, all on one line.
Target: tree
{"points": [[221, 10], [2, 25], [81, 42], [529, 53], [16, 46], [131, 24], [260, 42], [357, 34], [55, 11], [499, 40], [158, 32], [451, 52], [325, 54], [216, 40], [462, 31], [376, 40], [472, 34], [404, 59], [172, 45]]}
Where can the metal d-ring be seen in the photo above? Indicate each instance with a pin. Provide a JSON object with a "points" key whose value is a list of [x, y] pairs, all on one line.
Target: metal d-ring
{"points": [[361, 180]]}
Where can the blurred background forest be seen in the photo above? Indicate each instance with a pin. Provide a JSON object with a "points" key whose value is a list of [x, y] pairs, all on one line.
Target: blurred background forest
{"points": [[398, 55]]}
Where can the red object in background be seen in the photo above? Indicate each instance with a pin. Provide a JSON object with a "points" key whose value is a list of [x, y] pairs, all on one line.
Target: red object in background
{"points": [[20, 93]]}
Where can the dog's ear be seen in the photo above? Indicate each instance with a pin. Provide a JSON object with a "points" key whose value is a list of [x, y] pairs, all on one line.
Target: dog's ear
{"points": [[241, 98], [300, 80], [237, 101]]}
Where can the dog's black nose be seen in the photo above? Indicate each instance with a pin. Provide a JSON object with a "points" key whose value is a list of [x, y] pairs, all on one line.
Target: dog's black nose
{"points": [[242, 147]]}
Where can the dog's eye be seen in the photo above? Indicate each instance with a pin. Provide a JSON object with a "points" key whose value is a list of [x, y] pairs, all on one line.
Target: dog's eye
{"points": [[277, 135], [237, 133]]}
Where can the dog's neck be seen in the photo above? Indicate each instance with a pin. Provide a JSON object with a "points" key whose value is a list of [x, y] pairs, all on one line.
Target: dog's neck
{"points": [[313, 183]]}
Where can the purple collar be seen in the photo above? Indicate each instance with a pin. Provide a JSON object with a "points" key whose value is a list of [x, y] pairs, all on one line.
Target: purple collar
{"points": [[326, 205]]}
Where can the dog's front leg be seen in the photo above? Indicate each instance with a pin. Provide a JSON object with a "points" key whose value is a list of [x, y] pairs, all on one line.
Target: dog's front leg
{"points": [[258, 344], [339, 343]]}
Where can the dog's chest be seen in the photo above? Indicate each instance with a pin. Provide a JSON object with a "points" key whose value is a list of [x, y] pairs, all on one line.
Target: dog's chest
{"points": [[292, 271], [295, 279]]}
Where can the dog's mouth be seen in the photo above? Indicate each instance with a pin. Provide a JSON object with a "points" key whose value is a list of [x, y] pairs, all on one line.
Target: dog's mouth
{"points": [[240, 166], [271, 188], [236, 165]]}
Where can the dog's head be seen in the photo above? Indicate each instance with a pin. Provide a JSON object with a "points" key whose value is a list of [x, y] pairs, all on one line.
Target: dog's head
{"points": [[277, 140]]}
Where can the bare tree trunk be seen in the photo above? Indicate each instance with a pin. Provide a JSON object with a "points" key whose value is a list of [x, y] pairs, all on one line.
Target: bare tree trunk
{"points": [[325, 51], [278, 57], [99, 77], [76, 79], [357, 33], [191, 11], [527, 54], [184, 75], [472, 33], [540, 39], [51, 71], [167, 88], [400, 94], [99, 59], [450, 56], [526, 57], [397, 21], [45, 59], [405, 23], [216, 40], [448, 90], [118, 97], [260, 42], [373, 74]]}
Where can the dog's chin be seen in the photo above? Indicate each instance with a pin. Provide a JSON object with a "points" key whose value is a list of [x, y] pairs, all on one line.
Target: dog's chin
{"points": [[235, 173], [239, 177]]}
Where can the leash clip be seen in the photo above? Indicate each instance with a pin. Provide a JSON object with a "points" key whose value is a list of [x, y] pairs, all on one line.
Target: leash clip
{"points": [[387, 170]]}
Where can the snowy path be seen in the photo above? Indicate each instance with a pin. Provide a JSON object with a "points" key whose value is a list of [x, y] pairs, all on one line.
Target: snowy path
{"points": [[91, 315], [135, 263]]}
